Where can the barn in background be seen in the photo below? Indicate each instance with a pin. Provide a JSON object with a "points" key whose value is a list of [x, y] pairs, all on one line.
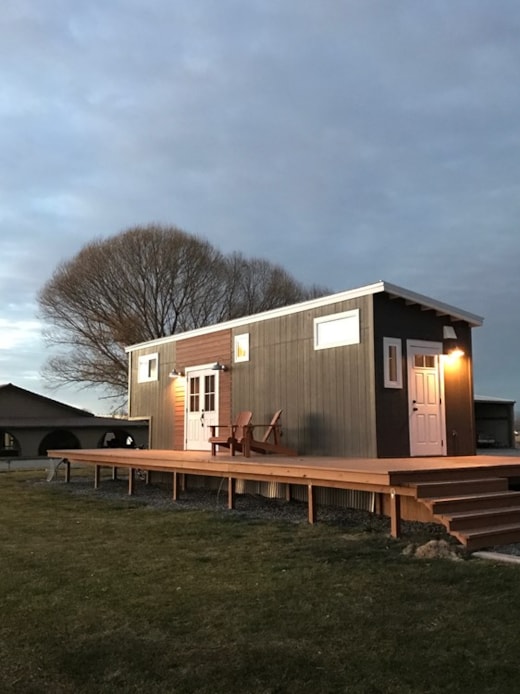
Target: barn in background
{"points": [[31, 423]]}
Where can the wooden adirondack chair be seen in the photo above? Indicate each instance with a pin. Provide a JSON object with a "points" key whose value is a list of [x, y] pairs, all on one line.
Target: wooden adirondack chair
{"points": [[230, 435], [273, 431]]}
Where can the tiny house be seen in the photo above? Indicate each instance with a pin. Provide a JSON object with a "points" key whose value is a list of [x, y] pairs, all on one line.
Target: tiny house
{"points": [[378, 371]]}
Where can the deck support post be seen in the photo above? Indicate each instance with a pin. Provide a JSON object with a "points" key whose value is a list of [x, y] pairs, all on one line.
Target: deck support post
{"points": [[288, 495], [174, 485], [114, 472], [131, 481], [97, 475], [231, 492], [395, 514], [311, 503], [182, 482], [67, 470]]}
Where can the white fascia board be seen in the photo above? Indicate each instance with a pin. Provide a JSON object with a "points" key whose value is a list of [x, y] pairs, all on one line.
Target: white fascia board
{"points": [[328, 300]]}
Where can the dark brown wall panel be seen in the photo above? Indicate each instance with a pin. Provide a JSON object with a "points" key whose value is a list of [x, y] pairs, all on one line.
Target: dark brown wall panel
{"points": [[208, 349], [460, 409], [395, 318]]}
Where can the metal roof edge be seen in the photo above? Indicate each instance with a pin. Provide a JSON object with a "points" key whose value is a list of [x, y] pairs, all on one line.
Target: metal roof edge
{"points": [[265, 315], [492, 399], [375, 288], [438, 306]]}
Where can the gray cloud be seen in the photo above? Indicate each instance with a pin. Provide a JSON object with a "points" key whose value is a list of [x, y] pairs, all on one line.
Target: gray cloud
{"points": [[350, 142]]}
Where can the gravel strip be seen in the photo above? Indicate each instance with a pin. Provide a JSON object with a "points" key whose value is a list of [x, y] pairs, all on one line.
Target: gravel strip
{"points": [[247, 506]]}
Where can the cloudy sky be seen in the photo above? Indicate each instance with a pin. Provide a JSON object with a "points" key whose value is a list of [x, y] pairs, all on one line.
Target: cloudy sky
{"points": [[348, 140]]}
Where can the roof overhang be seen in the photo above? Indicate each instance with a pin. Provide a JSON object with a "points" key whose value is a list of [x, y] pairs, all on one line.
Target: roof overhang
{"points": [[395, 292]]}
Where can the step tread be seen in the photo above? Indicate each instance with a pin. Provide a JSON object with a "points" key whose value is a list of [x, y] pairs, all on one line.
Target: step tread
{"points": [[456, 480], [479, 513], [479, 495], [489, 531]]}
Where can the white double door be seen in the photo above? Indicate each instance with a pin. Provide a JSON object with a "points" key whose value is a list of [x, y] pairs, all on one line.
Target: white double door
{"points": [[201, 406], [426, 398]]}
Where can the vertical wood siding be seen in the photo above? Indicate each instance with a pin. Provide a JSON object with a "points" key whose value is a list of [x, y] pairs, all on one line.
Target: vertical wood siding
{"points": [[327, 395], [155, 399]]}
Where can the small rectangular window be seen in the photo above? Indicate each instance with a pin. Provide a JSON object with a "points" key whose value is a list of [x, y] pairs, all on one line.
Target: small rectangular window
{"points": [[393, 364], [337, 330], [241, 347], [148, 368]]}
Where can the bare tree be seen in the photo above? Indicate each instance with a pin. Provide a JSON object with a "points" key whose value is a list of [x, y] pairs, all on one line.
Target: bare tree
{"points": [[145, 283]]}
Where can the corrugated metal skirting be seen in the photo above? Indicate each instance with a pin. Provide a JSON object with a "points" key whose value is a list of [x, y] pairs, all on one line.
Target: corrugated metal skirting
{"points": [[344, 498]]}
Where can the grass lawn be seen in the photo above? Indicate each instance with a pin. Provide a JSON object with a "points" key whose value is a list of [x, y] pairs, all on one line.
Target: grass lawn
{"points": [[101, 596]]}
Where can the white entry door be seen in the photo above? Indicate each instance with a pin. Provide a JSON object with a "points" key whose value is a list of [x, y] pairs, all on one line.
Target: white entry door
{"points": [[201, 407], [425, 394]]}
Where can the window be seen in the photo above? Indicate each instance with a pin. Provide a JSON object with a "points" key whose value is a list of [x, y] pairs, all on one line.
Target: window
{"points": [[393, 356], [241, 347], [148, 368], [194, 394], [209, 393], [424, 361], [337, 330]]}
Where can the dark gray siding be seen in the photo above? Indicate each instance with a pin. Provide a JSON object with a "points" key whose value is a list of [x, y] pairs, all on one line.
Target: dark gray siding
{"points": [[395, 318], [327, 395]]}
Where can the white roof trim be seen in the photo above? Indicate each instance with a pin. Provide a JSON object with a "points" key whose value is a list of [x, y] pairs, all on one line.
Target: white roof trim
{"points": [[491, 399], [376, 288]]}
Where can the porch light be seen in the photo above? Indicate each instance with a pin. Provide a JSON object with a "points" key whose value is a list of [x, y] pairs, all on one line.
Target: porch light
{"points": [[219, 367], [451, 346], [174, 373]]}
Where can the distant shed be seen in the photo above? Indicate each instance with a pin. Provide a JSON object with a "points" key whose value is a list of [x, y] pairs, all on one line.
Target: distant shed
{"points": [[495, 422]]}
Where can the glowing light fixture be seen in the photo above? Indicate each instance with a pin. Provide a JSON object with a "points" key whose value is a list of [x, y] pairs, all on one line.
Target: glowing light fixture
{"points": [[451, 346], [219, 367], [174, 373]]}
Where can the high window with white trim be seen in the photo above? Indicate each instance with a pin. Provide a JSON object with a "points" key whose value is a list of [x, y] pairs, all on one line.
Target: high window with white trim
{"points": [[337, 330]]}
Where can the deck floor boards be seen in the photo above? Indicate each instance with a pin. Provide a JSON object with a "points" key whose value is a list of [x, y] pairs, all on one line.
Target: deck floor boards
{"points": [[387, 472]]}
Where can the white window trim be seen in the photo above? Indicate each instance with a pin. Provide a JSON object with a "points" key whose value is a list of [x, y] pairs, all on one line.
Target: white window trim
{"points": [[398, 344], [241, 343], [351, 336], [144, 375]]}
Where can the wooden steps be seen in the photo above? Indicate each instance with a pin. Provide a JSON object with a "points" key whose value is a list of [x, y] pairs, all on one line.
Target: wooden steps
{"points": [[480, 512], [473, 502], [450, 488]]}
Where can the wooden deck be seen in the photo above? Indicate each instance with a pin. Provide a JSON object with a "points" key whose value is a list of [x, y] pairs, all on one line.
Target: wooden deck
{"points": [[459, 492]]}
